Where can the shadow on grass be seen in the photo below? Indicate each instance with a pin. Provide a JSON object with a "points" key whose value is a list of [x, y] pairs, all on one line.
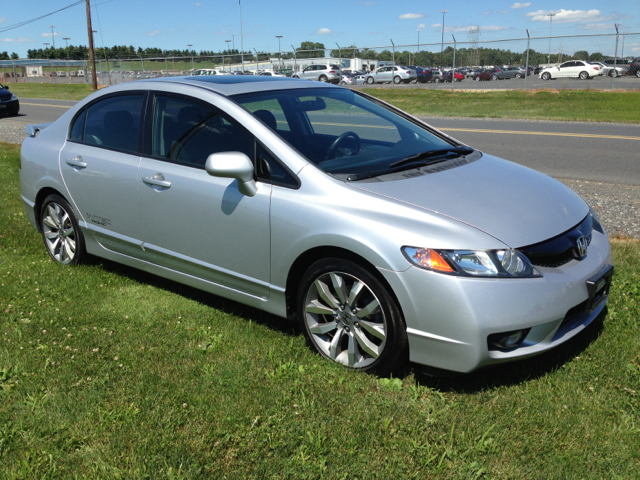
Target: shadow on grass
{"points": [[487, 378], [519, 371], [211, 300]]}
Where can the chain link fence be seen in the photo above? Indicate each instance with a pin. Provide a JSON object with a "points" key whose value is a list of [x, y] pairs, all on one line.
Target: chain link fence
{"points": [[521, 63]]}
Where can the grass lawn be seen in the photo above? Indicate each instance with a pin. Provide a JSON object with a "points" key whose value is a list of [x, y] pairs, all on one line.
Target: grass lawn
{"points": [[108, 372], [54, 91], [565, 105]]}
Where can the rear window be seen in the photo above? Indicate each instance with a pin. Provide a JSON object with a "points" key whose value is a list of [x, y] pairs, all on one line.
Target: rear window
{"points": [[335, 67]]}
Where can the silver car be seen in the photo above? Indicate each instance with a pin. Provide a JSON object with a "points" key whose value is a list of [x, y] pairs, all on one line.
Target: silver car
{"points": [[386, 239], [395, 74], [328, 73]]}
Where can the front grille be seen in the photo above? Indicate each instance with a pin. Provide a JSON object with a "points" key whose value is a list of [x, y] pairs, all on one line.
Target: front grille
{"points": [[561, 249]]}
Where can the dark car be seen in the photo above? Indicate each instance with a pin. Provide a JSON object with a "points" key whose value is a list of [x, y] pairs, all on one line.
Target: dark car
{"points": [[424, 75], [9, 103], [634, 68], [492, 74]]}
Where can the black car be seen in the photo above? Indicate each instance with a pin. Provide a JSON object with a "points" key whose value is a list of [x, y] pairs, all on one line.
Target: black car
{"points": [[8, 101], [634, 68]]}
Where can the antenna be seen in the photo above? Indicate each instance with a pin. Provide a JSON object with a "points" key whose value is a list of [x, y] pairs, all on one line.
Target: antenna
{"points": [[473, 55]]}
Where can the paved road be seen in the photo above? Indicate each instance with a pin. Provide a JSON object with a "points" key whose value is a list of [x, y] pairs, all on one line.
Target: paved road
{"points": [[599, 152]]}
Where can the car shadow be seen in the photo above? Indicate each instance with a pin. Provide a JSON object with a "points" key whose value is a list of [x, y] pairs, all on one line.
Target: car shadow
{"points": [[211, 300], [517, 372]]}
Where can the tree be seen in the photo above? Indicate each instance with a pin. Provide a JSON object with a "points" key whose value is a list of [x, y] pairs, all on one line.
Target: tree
{"points": [[581, 55], [14, 56], [310, 50], [596, 57]]}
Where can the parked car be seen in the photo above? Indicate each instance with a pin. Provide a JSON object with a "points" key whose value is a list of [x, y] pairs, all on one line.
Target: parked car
{"points": [[438, 76], [9, 103], [386, 244], [619, 66], [634, 67], [605, 69], [271, 74], [454, 76], [423, 75], [516, 72], [352, 80], [208, 71], [572, 69], [390, 73], [329, 73]]}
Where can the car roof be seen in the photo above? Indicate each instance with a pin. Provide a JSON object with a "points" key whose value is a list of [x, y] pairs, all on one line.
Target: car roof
{"points": [[228, 85]]}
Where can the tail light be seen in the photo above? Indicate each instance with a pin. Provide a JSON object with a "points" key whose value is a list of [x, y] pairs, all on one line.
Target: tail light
{"points": [[332, 71], [408, 71], [596, 68]]}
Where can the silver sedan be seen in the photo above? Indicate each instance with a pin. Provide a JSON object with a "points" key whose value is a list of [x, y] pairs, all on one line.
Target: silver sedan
{"points": [[386, 239], [395, 74]]}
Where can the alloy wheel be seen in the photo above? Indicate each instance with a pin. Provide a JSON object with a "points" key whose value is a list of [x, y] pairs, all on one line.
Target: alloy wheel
{"points": [[59, 233], [345, 319]]}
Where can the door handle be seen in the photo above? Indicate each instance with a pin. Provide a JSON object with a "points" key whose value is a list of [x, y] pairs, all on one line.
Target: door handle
{"points": [[157, 181], [76, 162]]}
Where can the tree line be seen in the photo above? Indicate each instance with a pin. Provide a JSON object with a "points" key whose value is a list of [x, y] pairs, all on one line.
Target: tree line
{"points": [[464, 56]]}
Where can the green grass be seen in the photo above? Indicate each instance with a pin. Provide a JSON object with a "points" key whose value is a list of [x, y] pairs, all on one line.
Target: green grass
{"points": [[564, 105], [54, 91], [108, 372]]}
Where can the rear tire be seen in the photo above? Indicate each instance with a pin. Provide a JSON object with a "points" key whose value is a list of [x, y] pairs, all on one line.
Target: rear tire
{"points": [[323, 78], [477, 79], [348, 316], [397, 80], [60, 231], [583, 76], [494, 77], [638, 73]]}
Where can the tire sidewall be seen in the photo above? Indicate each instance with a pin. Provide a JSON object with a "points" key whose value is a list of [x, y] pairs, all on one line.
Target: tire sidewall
{"points": [[395, 353]]}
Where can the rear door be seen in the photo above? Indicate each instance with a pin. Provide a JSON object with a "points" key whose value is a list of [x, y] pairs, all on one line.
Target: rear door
{"points": [[99, 164]]}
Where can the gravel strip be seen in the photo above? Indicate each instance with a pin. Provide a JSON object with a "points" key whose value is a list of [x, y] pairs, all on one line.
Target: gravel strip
{"points": [[617, 206]]}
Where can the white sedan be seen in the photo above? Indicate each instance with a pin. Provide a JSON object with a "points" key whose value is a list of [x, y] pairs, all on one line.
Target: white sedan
{"points": [[572, 69]]}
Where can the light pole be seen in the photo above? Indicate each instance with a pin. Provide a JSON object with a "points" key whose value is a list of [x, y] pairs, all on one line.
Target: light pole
{"points": [[442, 41], [66, 39], [418, 30], [52, 37], [241, 41], [233, 37], [191, 52], [279, 50], [228, 42], [550, 15]]}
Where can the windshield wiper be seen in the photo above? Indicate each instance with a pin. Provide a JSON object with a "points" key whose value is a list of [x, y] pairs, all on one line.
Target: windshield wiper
{"points": [[432, 155]]}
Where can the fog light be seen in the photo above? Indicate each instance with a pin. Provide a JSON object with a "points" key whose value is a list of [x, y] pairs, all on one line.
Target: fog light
{"points": [[507, 340]]}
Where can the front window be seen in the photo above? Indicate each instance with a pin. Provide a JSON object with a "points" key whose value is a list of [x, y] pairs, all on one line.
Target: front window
{"points": [[345, 134]]}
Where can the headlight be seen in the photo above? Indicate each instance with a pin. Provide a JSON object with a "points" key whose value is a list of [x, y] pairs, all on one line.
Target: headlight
{"points": [[13, 96], [506, 263], [597, 226]]}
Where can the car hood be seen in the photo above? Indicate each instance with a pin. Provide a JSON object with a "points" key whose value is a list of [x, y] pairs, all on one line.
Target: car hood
{"points": [[512, 203], [5, 94]]}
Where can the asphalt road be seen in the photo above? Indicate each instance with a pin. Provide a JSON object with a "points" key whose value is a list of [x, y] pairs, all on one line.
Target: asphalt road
{"points": [[600, 152]]}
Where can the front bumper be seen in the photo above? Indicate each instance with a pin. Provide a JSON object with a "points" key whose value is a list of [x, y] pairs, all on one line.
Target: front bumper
{"points": [[449, 317], [11, 107]]}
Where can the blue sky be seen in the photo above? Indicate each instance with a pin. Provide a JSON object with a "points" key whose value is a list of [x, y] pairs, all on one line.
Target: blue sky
{"points": [[206, 24]]}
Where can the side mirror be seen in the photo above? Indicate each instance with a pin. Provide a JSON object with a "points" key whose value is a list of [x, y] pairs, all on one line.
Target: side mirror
{"points": [[233, 165]]}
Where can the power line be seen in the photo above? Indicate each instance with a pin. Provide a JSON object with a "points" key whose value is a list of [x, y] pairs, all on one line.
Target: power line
{"points": [[26, 22]]}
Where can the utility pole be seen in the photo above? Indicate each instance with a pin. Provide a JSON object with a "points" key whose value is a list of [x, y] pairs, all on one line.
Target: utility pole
{"points": [[52, 37], [92, 57], [442, 40], [66, 39]]}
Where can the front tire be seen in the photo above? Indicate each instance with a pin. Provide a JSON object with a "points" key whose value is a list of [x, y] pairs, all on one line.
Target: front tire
{"points": [[518, 76], [477, 79], [638, 73], [370, 80], [60, 231], [546, 76], [494, 77], [348, 316]]}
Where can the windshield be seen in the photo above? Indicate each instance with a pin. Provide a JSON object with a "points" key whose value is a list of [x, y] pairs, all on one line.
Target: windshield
{"points": [[342, 132]]}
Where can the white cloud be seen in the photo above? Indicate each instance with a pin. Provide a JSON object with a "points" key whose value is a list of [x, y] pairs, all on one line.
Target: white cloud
{"points": [[503, 11], [493, 28], [410, 16], [48, 34], [422, 25], [436, 25], [198, 4], [568, 16], [323, 31], [521, 5], [19, 39], [486, 13], [151, 34], [2, 19]]}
